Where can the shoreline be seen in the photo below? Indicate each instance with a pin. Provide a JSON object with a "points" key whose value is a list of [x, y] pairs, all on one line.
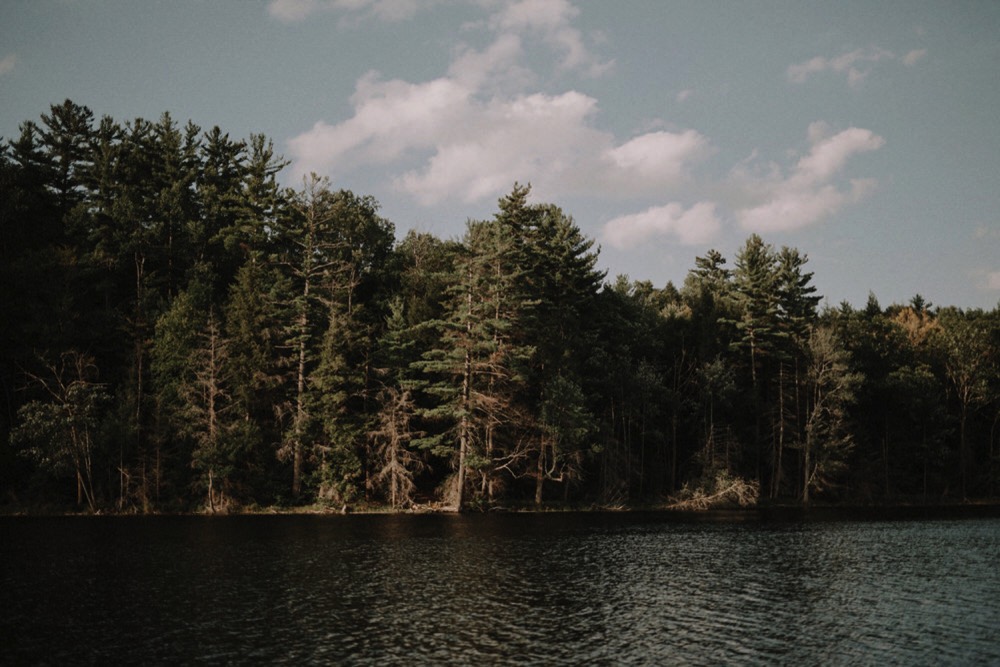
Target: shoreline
{"points": [[768, 512]]}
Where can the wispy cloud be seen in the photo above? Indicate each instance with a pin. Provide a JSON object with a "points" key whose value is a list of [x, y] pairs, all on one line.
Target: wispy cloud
{"points": [[809, 193], [856, 65], [987, 232], [552, 19], [913, 57], [993, 280], [7, 64]]}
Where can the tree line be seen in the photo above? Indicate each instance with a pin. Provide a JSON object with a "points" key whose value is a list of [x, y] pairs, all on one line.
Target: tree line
{"points": [[181, 332]]}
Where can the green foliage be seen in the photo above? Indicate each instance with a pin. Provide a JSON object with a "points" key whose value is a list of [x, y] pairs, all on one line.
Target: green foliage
{"points": [[255, 341], [832, 386], [58, 432]]}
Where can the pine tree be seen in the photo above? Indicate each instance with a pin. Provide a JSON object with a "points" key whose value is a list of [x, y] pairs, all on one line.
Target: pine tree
{"points": [[304, 249], [965, 346], [828, 437], [332, 247], [562, 286], [796, 317], [478, 365], [252, 317]]}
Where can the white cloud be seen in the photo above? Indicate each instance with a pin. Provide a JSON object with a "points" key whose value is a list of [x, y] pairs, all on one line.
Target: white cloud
{"points": [[552, 20], [698, 224], [391, 118], [993, 280], [472, 146], [856, 64], [808, 194], [684, 95], [830, 154], [658, 157], [496, 68], [471, 133], [7, 64], [768, 199], [544, 139], [800, 72]]}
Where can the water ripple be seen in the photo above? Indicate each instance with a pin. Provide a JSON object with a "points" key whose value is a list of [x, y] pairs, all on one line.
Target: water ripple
{"points": [[525, 589]]}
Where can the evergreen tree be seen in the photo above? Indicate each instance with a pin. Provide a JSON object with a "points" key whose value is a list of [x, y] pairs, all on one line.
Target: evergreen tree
{"points": [[253, 315], [305, 248], [965, 346], [563, 284], [828, 437], [474, 368]]}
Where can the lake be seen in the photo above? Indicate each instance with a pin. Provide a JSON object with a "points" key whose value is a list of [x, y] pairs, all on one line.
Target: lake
{"points": [[542, 589]]}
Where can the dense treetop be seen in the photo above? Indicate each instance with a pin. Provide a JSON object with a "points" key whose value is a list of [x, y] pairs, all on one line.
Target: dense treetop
{"points": [[183, 333]]}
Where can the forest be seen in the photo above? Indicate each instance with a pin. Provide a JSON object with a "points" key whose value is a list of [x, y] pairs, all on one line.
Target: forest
{"points": [[181, 333]]}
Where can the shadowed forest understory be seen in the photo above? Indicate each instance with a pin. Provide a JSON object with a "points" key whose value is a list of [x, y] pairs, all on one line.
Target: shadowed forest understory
{"points": [[181, 333]]}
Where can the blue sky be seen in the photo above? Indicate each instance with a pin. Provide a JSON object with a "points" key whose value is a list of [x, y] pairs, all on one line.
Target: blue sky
{"points": [[866, 134]]}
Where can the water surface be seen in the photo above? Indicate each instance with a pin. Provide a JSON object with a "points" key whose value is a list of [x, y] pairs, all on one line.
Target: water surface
{"points": [[543, 589]]}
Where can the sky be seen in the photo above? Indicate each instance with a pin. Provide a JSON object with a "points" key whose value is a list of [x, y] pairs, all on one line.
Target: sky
{"points": [[866, 134]]}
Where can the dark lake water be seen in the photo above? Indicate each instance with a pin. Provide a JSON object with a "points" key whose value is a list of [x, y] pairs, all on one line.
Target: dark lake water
{"points": [[546, 589]]}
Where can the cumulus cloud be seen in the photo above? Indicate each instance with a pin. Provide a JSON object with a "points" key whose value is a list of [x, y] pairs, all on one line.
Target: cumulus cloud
{"points": [[542, 137], [809, 193], [472, 132], [698, 224], [856, 65], [390, 119], [657, 158], [471, 147], [768, 198], [7, 64]]}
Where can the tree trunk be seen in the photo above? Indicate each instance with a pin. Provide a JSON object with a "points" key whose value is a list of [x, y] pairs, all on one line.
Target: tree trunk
{"points": [[885, 456], [300, 392], [962, 454], [463, 439], [807, 465], [673, 452], [211, 492], [776, 472], [540, 474]]}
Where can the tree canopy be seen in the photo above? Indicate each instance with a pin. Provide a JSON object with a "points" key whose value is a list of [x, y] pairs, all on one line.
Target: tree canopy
{"points": [[184, 333]]}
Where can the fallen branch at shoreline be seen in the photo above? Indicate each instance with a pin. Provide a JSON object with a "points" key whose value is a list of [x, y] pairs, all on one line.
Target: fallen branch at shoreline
{"points": [[723, 491]]}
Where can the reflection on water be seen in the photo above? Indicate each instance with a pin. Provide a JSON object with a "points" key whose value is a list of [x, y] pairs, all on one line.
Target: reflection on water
{"points": [[529, 589]]}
